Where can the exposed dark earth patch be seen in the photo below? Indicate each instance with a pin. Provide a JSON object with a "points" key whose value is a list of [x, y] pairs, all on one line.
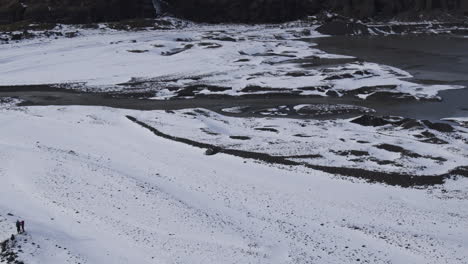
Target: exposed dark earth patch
{"points": [[177, 50], [253, 89], [310, 156], [242, 60], [428, 137], [240, 137], [10, 249], [302, 136], [405, 152], [138, 51], [207, 131], [267, 129], [357, 153], [406, 123]]}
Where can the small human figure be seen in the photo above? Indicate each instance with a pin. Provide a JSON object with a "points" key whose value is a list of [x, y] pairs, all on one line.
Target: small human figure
{"points": [[22, 226], [18, 226]]}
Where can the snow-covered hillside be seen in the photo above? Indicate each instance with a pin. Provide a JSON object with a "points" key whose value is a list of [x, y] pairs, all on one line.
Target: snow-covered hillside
{"points": [[95, 187], [409, 147]]}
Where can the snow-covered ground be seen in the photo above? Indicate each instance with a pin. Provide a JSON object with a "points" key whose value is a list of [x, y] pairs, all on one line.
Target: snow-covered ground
{"points": [[200, 59], [415, 150], [460, 120], [95, 187]]}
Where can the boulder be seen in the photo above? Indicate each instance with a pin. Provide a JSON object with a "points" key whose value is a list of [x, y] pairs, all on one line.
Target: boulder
{"points": [[212, 151]]}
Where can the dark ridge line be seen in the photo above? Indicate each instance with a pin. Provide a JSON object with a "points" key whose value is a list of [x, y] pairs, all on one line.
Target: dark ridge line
{"points": [[393, 179]]}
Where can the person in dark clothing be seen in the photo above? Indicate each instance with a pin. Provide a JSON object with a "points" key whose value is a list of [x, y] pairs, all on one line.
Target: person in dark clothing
{"points": [[22, 226], [18, 226]]}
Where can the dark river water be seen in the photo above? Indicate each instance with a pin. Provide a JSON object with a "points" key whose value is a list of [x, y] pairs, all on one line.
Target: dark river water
{"points": [[430, 59]]}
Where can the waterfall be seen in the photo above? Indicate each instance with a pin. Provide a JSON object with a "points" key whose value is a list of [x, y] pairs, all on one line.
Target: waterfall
{"points": [[157, 4]]}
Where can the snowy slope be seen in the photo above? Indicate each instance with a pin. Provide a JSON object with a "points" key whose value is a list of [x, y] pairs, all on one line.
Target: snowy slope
{"points": [[94, 187], [323, 142]]}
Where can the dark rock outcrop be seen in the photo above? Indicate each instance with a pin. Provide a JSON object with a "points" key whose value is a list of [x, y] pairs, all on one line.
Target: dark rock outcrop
{"points": [[74, 11], [441, 127], [281, 10], [343, 28], [405, 123], [369, 120]]}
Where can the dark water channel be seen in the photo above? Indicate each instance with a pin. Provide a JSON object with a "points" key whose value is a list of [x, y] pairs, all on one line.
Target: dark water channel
{"points": [[430, 59]]}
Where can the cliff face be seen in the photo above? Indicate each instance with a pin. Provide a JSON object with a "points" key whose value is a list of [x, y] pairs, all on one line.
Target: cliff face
{"points": [[281, 10], [74, 11], [83, 11]]}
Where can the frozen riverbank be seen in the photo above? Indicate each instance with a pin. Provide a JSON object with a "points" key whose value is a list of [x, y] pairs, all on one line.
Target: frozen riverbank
{"points": [[200, 60], [289, 182]]}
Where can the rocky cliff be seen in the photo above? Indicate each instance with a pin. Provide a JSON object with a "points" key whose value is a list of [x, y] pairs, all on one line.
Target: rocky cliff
{"points": [[74, 11], [83, 11], [281, 10]]}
